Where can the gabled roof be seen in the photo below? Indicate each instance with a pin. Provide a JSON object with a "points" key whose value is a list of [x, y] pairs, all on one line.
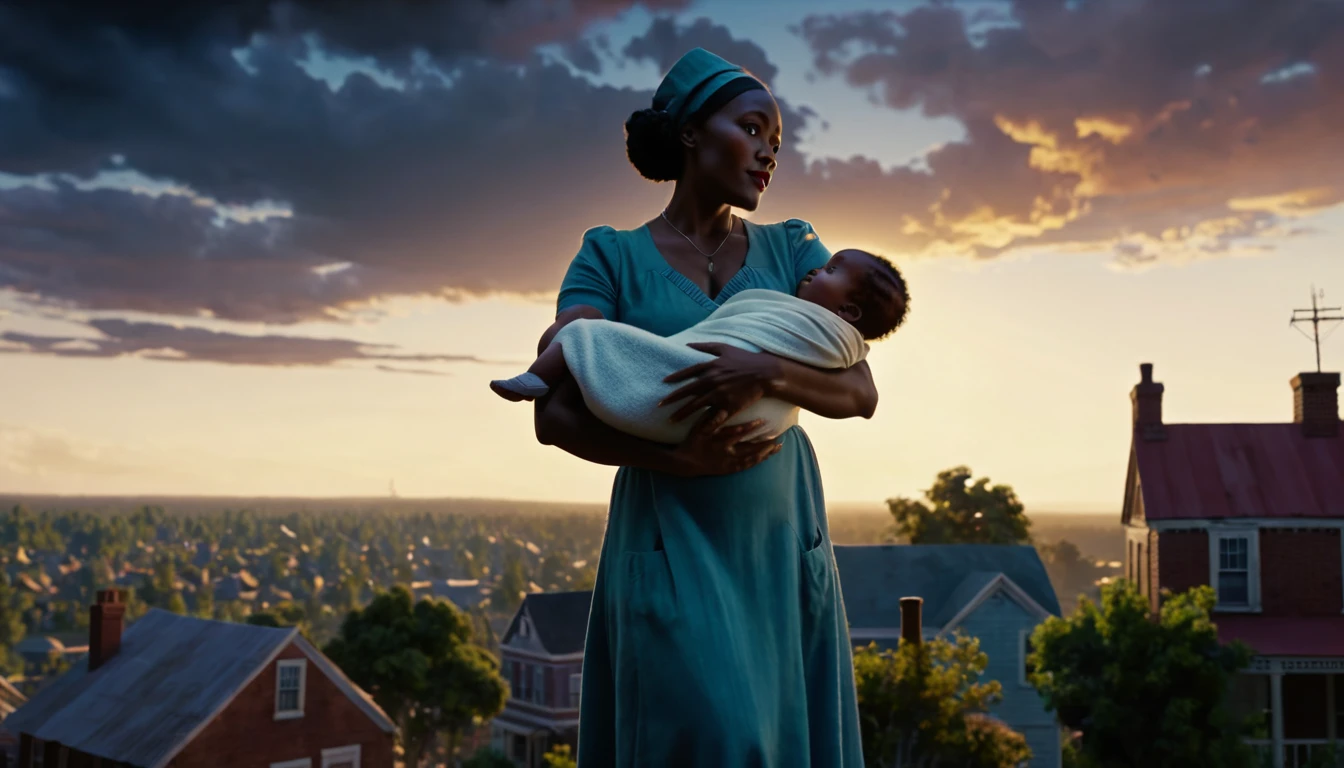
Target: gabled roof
{"points": [[1215, 471], [560, 620], [171, 677], [949, 577]]}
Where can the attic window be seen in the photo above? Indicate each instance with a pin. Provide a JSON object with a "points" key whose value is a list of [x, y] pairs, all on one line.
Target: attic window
{"points": [[524, 629], [289, 685]]}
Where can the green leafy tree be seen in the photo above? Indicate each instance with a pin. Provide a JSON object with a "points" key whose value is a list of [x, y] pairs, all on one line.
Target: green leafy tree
{"points": [[418, 661], [511, 587], [922, 705], [960, 510], [560, 756], [1143, 692]]}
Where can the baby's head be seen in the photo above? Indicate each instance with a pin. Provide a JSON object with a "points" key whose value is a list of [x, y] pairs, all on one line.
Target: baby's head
{"points": [[866, 290]]}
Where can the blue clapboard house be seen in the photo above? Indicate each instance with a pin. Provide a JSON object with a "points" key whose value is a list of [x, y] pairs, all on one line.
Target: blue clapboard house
{"points": [[996, 593]]}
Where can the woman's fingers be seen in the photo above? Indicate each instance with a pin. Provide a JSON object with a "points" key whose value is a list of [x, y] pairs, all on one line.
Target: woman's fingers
{"points": [[686, 373], [694, 388]]}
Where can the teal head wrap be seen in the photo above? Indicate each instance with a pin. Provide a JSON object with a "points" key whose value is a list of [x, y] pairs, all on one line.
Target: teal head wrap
{"points": [[694, 80]]}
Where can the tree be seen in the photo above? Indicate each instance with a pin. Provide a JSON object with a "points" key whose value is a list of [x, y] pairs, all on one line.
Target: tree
{"points": [[1143, 692], [421, 666], [488, 758], [511, 587], [962, 511], [559, 757], [921, 705]]}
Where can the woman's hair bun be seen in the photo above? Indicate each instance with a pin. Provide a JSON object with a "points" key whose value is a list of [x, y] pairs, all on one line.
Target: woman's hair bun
{"points": [[652, 146]]}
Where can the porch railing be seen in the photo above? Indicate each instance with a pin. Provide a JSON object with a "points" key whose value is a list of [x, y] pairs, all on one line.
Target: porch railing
{"points": [[1301, 753]]}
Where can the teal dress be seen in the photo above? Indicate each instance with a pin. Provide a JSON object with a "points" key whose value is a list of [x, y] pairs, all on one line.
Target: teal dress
{"points": [[717, 636]]}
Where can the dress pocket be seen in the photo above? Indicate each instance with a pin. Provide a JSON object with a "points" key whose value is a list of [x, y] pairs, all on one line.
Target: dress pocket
{"points": [[649, 594], [818, 577]]}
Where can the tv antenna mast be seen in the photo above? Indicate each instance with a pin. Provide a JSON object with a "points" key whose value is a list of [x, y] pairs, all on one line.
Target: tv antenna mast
{"points": [[392, 488], [1316, 315]]}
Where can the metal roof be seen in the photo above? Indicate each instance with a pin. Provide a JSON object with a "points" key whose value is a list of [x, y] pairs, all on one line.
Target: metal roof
{"points": [[1284, 635], [172, 675], [873, 579], [1213, 471]]}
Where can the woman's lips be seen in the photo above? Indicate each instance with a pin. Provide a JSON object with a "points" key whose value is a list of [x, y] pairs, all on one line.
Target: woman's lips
{"points": [[761, 179]]}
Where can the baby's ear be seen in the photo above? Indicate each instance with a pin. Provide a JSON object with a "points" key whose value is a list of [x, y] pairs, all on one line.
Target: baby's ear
{"points": [[850, 312]]}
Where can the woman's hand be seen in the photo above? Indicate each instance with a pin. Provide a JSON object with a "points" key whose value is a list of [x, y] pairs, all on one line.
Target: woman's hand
{"points": [[712, 449], [731, 382]]}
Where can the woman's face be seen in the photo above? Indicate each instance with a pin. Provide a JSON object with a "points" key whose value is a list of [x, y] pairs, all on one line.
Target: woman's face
{"points": [[732, 154]]}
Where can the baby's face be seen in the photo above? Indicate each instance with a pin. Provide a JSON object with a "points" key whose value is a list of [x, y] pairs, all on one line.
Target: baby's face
{"points": [[833, 285]]}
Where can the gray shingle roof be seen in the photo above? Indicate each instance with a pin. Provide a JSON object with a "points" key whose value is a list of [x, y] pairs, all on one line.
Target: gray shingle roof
{"points": [[561, 619], [172, 675], [873, 579]]}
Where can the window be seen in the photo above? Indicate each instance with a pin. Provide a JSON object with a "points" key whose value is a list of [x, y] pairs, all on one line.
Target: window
{"points": [[523, 689], [523, 630], [289, 679], [1143, 572], [506, 672], [575, 686], [1234, 577], [1234, 565], [539, 685], [341, 757], [39, 753], [1024, 667]]}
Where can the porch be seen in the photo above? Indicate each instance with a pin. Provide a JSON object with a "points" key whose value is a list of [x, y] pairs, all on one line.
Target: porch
{"points": [[524, 742], [1299, 705]]}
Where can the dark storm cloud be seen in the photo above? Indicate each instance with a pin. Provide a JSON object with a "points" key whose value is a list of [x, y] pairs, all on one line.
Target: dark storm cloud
{"points": [[1152, 121], [1080, 125], [160, 341]]}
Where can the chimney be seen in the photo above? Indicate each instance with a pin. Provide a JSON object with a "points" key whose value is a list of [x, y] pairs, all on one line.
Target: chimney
{"points": [[105, 622], [1147, 399], [1316, 403], [911, 631]]}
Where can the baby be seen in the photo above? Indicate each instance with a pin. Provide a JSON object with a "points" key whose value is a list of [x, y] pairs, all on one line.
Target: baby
{"points": [[620, 369]]}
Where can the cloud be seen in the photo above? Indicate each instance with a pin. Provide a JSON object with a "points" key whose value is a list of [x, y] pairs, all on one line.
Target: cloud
{"points": [[1103, 122], [30, 452], [161, 341]]}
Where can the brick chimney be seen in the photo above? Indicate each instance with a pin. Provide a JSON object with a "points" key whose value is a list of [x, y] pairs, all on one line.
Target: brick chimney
{"points": [[105, 623], [1147, 399], [1316, 403], [911, 629]]}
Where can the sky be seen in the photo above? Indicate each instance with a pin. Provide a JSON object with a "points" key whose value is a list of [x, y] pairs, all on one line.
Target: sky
{"points": [[279, 248]]}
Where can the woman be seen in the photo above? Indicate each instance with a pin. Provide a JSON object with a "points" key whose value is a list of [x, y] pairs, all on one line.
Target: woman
{"points": [[717, 636]]}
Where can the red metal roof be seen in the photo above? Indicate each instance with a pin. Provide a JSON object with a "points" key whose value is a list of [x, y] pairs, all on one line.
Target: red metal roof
{"points": [[1204, 471], [1285, 636]]}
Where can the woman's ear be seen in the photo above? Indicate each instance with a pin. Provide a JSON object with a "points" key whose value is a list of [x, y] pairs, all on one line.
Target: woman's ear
{"points": [[688, 137]]}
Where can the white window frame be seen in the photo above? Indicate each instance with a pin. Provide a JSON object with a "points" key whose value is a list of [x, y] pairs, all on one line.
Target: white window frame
{"points": [[334, 754], [302, 666], [303, 762], [1252, 537], [1023, 636], [575, 687]]}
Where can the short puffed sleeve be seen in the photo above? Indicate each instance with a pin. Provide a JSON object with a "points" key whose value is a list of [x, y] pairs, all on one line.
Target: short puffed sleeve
{"points": [[593, 275], [808, 252]]}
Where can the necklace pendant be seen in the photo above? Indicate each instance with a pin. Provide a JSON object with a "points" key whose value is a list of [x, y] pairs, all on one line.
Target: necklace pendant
{"points": [[711, 267]]}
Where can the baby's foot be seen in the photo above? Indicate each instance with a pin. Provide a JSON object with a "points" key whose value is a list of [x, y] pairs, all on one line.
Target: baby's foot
{"points": [[524, 386]]}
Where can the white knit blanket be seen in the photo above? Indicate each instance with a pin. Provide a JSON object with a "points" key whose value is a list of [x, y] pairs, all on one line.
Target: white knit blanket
{"points": [[620, 368]]}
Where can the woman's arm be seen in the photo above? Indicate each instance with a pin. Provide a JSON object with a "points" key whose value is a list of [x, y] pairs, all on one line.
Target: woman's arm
{"points": [[834, 394], [736, 378]]}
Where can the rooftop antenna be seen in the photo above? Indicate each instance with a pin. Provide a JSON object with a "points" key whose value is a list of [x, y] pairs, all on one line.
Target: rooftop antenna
{"points": [[1316, 315], [392, 488]]}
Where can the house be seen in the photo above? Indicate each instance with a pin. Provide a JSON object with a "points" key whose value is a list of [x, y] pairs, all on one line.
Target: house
{"points": [[185, 692], [541, 656], [1256, 512], [10, 700], [995, 593]]}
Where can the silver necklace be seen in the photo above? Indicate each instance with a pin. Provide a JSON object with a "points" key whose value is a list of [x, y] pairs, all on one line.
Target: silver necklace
{"points": [[710, 256]]}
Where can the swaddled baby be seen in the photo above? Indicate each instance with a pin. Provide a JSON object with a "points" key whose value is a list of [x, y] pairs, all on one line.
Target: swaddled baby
{"points": [[620, 369]]}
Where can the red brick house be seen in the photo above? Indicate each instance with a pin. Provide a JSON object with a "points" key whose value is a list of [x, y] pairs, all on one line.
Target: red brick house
{"points": [[1255, 511], [182, 692], [541, 655]]}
